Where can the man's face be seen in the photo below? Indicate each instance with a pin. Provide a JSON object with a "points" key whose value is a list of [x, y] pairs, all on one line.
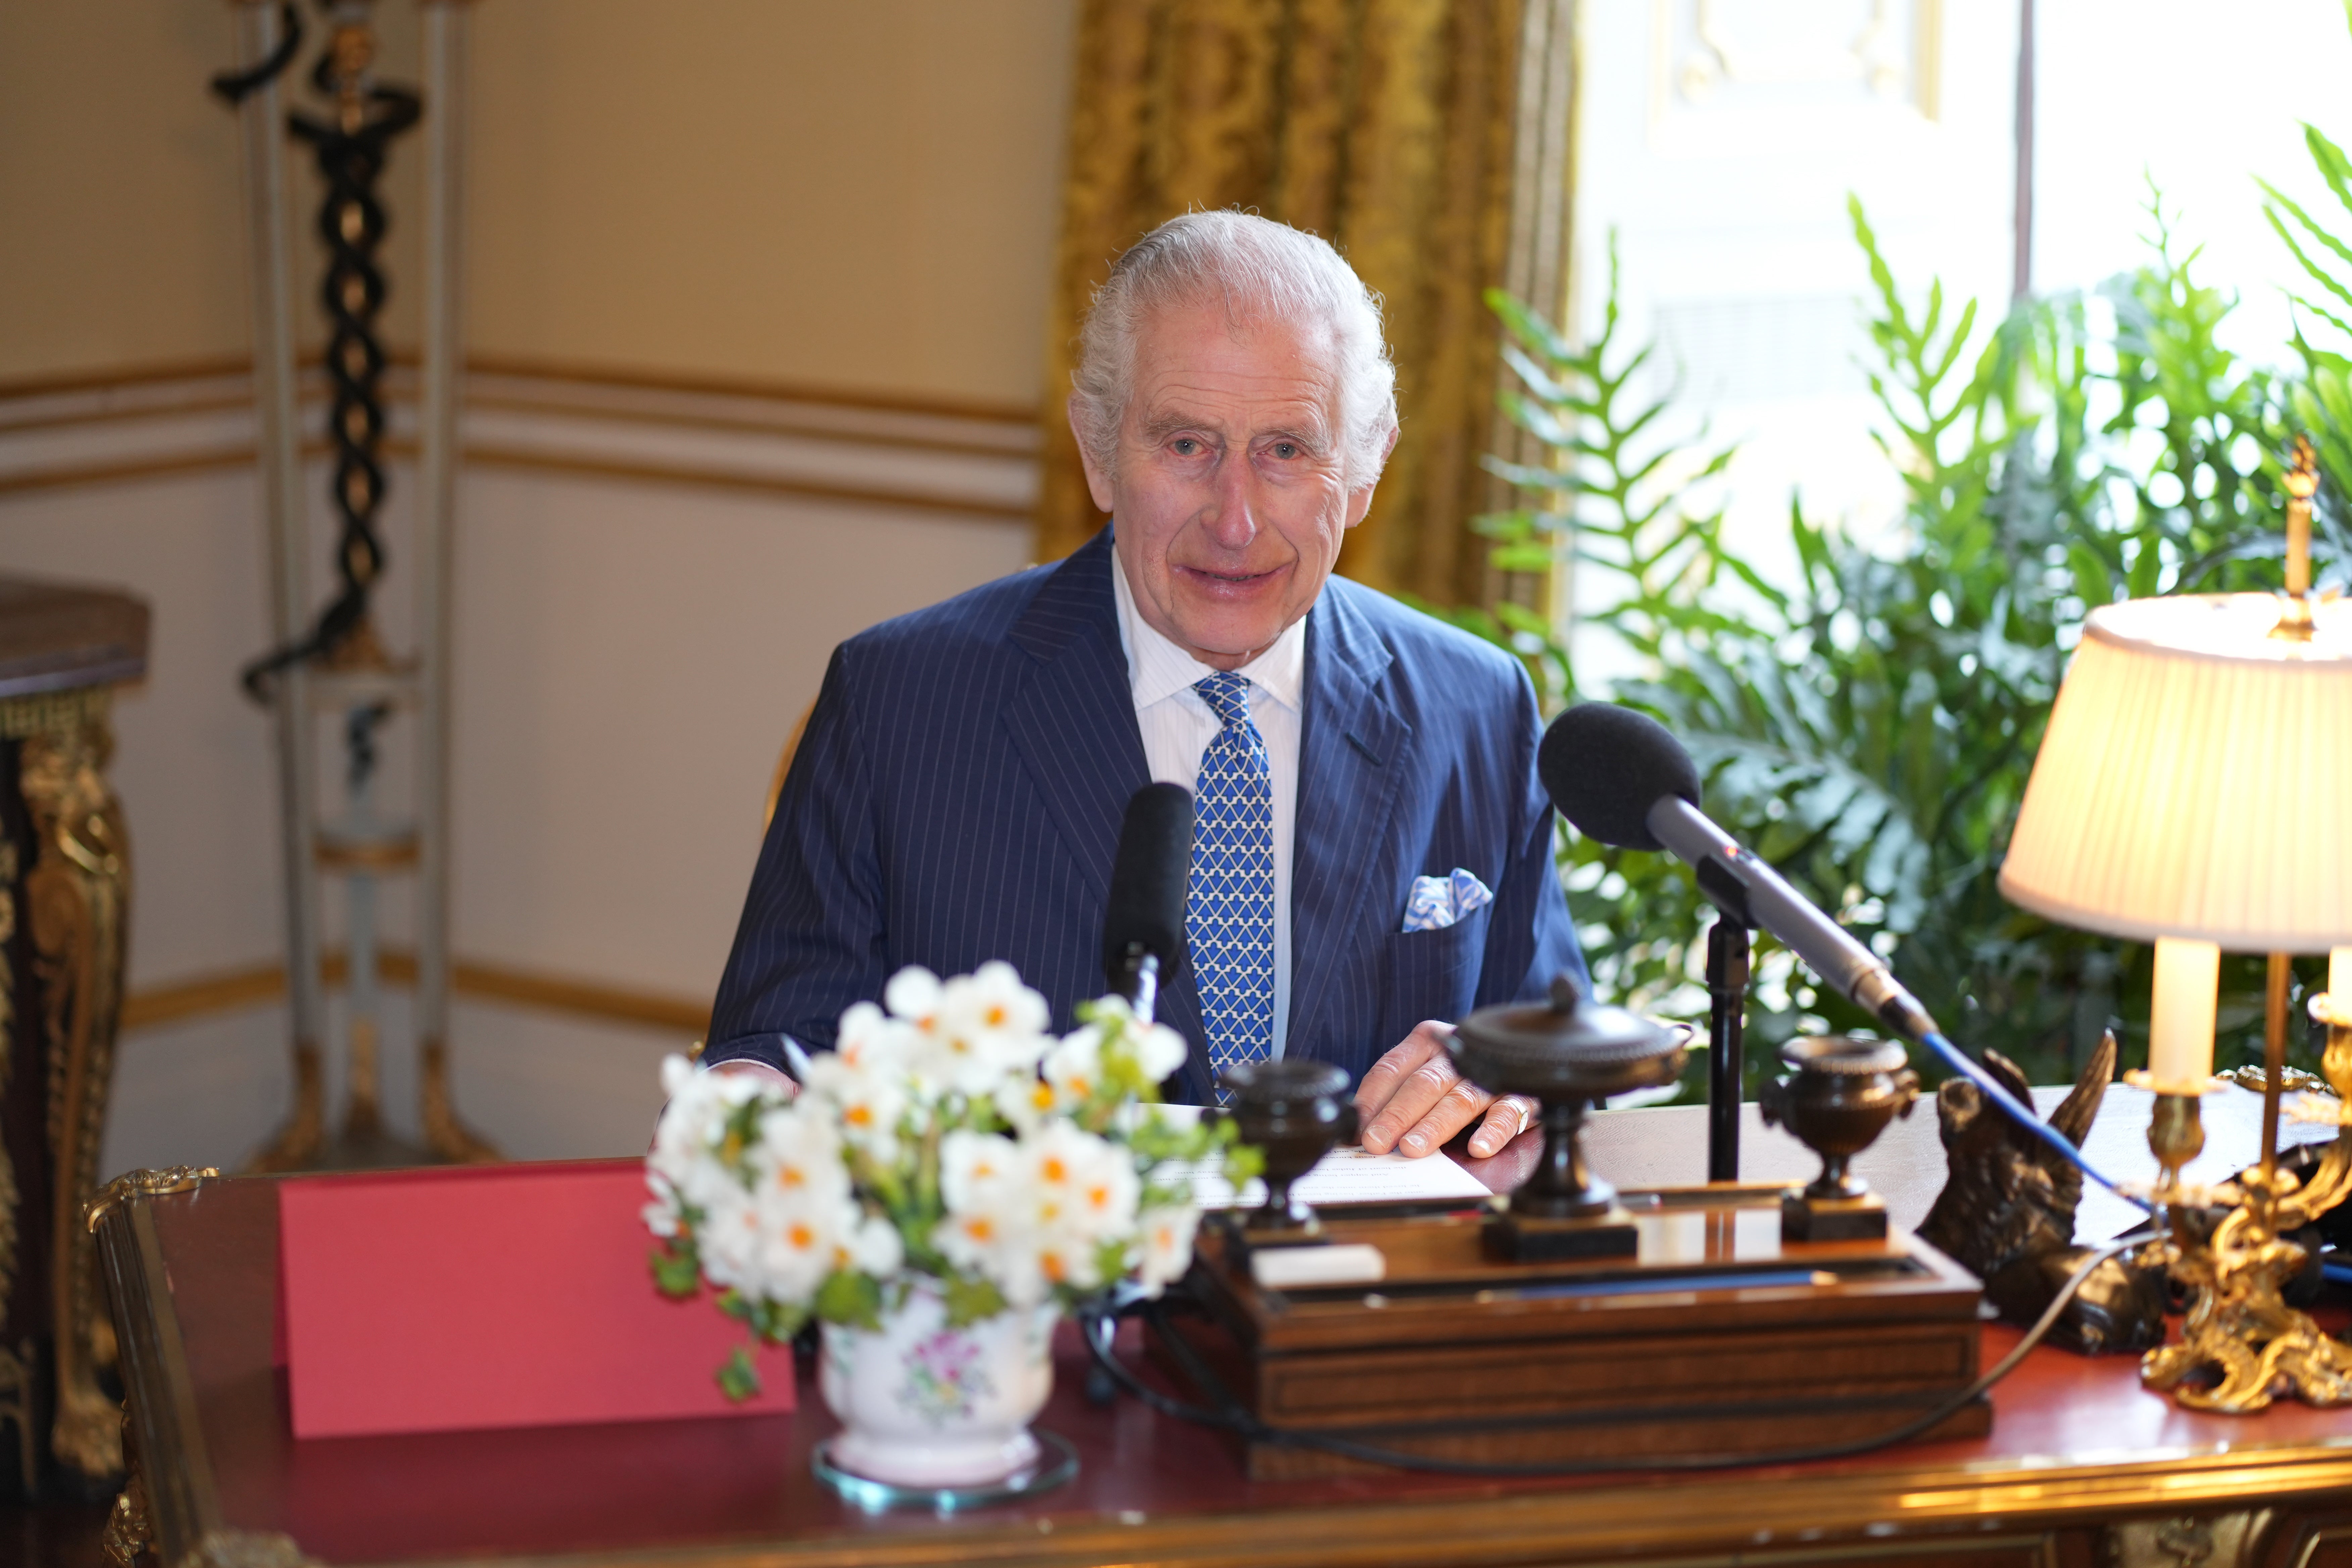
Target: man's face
{"points": [[1230, 493]]}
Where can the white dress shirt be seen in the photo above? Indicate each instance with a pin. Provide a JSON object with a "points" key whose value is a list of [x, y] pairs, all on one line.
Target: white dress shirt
{"points": [[1178, 726]]}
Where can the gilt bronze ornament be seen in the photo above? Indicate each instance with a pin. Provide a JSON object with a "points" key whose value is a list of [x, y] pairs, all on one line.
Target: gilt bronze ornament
{"points": [[2241, 1345]]}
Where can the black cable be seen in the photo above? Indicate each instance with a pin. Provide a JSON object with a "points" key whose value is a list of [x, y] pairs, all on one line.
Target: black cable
{"points": [[1099, 1329], [235, 87]]}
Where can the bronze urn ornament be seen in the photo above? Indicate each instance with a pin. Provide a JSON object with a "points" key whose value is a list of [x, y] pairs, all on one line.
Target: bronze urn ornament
{"points": [[1843, 1094], [1291, 1111]]}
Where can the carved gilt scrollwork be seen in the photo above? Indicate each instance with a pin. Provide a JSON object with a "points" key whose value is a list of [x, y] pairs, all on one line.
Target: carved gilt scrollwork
{"points": [[10, 1194], [76, 894], [144, 1183], [2224, 1540], [16, 1408], [129, 1532]]}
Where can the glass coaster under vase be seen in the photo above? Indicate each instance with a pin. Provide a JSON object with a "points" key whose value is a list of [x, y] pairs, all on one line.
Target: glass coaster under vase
{"points": [[1056, 1463]]}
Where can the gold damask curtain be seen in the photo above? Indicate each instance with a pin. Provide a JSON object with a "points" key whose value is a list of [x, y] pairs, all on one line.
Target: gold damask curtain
{"points": [[1387, 127]]}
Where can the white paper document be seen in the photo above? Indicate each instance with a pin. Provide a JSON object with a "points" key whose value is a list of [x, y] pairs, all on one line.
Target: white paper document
{"points": [[1345, 1176]]}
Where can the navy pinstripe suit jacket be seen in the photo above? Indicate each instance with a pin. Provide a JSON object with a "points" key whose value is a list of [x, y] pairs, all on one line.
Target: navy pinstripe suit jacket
{"points": [[957, 797]]}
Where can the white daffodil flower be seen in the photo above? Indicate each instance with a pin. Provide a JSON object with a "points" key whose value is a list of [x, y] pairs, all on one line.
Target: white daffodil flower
{"points": [[1025, 1104], [975, 1168], [729, 1241], [1026, 1198], [995, 1015], [870, 1042], [873, 1247], [1164, 1245], [914, 996], [868, 1104], [1074, 1065], [1084, 1187], [1158, 1051]]}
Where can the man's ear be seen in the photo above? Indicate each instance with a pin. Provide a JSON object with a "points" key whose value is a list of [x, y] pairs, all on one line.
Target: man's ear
{"points": [[1360, 497], [1097, 482]]}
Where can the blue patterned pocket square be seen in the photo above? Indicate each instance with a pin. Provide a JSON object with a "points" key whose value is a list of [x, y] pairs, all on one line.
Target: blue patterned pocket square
{"points": [[1439, 901]]}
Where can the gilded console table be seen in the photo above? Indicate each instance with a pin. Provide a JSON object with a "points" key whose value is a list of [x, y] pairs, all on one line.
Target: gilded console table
{"points": [[64, 884]]}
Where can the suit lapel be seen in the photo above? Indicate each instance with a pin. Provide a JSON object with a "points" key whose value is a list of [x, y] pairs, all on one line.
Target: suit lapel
{"points": [[1073, 722], [1352, 761]]}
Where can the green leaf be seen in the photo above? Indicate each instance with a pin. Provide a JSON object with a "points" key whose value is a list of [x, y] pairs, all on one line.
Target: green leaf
{"points": [[677, 1271], [1522, 558], [2091, 579], [970, 1300], [850, 1298], [739, 1380]]}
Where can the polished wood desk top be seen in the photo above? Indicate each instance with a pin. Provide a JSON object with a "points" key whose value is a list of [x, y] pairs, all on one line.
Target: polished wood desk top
{"points": [[2075, 1442]]}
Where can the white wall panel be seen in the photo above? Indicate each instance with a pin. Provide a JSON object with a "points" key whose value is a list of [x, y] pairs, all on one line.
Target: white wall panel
{"points": [[630, 656], [192, 759], [630, 659]]}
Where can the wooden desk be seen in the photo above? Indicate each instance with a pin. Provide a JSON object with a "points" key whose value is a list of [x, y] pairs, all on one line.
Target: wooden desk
{"points": [[2083, 1469]]}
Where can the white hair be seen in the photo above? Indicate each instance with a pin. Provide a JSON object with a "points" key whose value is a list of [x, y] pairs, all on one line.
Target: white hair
{"points": [[1260, 270]]}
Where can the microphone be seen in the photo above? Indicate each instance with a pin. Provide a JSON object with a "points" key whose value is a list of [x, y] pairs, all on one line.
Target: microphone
{"points": [[1620, 777], [1143, 930]]}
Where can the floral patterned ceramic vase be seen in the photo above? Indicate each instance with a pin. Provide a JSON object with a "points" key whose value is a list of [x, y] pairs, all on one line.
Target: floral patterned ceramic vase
{"points": [[923, 1404]]}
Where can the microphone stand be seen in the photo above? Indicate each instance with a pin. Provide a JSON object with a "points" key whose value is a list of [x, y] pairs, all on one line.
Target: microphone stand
{"points": [[1137, 980], [1729, 949]]}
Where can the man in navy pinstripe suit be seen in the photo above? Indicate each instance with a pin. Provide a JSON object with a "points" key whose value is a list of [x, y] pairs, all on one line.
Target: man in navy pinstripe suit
{"points": [[958, 794]]}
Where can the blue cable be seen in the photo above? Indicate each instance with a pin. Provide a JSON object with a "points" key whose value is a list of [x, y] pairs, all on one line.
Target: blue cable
{"points": [[1959, 1062]]}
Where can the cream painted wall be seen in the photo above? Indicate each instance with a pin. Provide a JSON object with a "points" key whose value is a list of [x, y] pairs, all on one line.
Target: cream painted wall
{"points": [[860, 195], [855, 194], [118, 187], [630, 657]]}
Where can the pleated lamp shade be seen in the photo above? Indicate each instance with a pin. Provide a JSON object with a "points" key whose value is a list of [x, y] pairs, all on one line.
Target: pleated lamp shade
{"points": [[2196, 780]]}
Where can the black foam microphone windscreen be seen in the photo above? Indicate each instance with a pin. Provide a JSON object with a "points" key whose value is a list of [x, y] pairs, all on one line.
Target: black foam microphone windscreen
{"points": [[1604, 766], [1148, 881]]}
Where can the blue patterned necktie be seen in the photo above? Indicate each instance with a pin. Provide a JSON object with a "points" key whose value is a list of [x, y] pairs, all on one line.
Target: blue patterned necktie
{"points": [[1229, 905]]}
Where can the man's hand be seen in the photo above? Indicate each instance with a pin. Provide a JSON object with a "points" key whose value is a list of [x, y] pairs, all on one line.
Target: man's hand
{"points": [[745, 1067], [1413, 1101]]}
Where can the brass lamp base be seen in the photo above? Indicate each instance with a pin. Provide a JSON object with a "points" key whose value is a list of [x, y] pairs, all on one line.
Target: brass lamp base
{"points": [[2238, 1327]]}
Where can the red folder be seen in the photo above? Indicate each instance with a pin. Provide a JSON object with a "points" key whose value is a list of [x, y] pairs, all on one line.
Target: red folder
{"points": [[492, 1296]]}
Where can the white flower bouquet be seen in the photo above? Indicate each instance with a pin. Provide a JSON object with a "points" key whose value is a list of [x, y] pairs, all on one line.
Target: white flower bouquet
{"points": [[950, 1138]]}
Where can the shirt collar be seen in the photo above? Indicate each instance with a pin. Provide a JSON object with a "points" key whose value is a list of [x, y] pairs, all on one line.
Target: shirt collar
{"points": [[1156, 669]]}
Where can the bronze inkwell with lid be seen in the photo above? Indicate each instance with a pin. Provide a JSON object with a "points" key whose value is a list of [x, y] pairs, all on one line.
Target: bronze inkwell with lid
{"points": [[1568, 1055]]}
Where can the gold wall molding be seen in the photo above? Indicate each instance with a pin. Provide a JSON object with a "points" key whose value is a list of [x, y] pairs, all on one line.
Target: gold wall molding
{"points": [[578, 373], [122, 381], [232, 990], [949, 457]]}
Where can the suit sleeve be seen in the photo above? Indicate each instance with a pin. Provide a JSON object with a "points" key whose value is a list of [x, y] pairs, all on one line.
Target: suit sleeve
{"points": [[812, 940], [1530, 938]]}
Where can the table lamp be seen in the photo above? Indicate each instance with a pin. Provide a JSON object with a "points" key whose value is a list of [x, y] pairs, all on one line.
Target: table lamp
{"points": [[2194, 789]]}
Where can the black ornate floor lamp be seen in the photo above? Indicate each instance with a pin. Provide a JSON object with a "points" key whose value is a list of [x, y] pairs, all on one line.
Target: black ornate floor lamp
{"points": [[334, 662]]}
